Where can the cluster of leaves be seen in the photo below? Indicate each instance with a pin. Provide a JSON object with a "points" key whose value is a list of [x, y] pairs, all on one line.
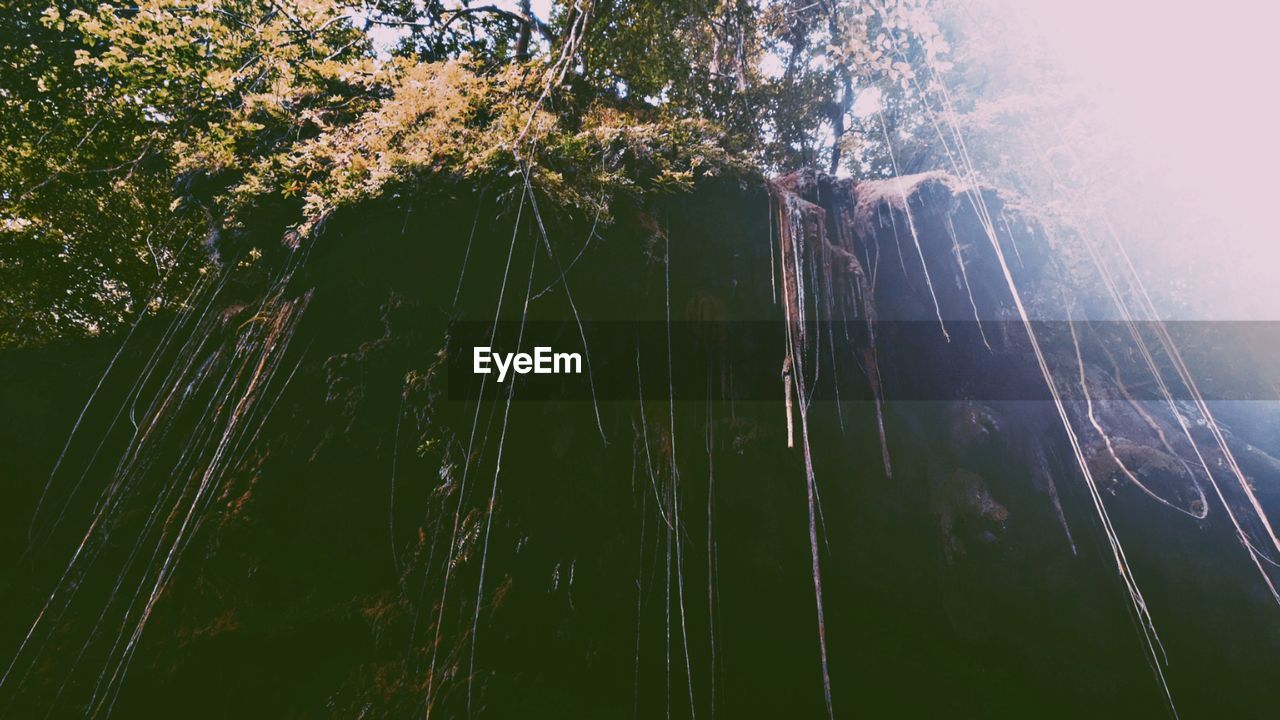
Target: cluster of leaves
{"points": [[445, 121], [103, 107], [131, 129], [79, 187]]}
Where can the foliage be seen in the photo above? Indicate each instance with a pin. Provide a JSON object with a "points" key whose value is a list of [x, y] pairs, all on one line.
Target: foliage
{"points": [[82, 233], [133, 130]]}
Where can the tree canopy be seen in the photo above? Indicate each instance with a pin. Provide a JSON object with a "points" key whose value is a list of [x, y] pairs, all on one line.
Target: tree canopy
{"points": [[135, 134]]}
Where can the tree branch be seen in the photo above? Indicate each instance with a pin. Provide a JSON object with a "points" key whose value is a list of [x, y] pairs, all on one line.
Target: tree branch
{"points": [[528, 20]]}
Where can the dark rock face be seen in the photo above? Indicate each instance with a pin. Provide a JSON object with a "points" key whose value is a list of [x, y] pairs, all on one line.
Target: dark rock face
{"points": [[288, 516]]}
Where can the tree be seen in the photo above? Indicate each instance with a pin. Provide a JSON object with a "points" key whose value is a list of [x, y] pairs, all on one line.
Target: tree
{"points": [[135, 133]]}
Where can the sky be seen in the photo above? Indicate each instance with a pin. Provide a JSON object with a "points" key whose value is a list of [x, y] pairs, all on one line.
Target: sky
{"points": [[1189, 94]]}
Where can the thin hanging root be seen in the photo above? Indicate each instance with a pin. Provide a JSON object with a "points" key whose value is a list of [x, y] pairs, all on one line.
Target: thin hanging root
{"points": [[282, 326], [675, 478], [1155, 650], [256, 356], [1013, 240], [493, 491], [811, 496], [787, 389], [897, 241], [1057, 509], [1106, 440], [429, 696], [791, 236], [790, 313], [1146, 625], [911, 225], [194, 517], [227, 427], [955, 245], [1185, 377], [180, 365], [773, 273], [564, 282], [93, 395], [1147, 418], [391, 501], [1184, 374], [466, 255], [644, 518], [667, 605], [245, 442], [648, 456], [872, 365], [711, 552]]}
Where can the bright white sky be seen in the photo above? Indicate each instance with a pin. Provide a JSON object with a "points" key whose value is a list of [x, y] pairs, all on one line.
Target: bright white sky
{"points": [[1190, 91]]}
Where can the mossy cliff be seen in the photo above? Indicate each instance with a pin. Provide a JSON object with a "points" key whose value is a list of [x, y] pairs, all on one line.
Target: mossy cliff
{"points": [[288, 515]]}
